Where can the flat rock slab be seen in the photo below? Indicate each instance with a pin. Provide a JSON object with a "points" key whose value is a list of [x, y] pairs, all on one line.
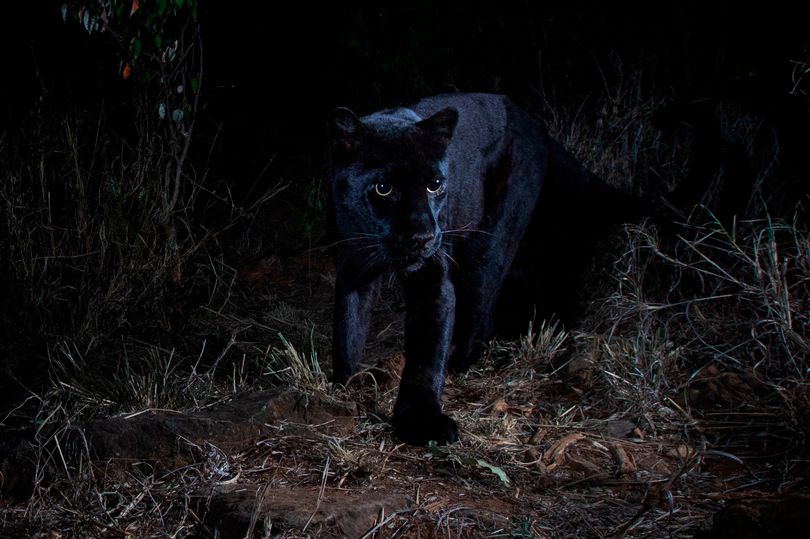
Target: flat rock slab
{"points": [[163, 436], [168, 440], [256, 511]]}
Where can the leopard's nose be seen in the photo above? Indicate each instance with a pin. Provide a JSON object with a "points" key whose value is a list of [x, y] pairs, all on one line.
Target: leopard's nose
{"points": [[423, 241]]}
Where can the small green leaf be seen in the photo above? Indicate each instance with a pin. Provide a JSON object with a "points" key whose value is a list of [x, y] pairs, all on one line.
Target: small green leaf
{"points": [[137, 47], [179, 3], [162, 5], [195, 84], [177, 115], [433, 449], [494, 469], [158, 41]]}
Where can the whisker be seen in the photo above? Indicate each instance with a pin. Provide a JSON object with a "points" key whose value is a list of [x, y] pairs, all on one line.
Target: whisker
{"points": [[360, 236], [460, 232], [369, 262], [373, 258], [464, 229], [450, 258]]}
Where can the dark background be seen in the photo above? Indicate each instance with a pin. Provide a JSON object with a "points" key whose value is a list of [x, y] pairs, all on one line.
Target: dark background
{"points": [[272, 74]]}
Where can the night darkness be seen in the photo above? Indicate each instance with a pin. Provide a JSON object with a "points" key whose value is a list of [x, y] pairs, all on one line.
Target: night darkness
{"points": [[273, 75]]}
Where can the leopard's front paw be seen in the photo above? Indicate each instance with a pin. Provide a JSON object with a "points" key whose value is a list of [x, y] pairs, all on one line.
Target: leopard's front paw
{"points": [[418, 429]]}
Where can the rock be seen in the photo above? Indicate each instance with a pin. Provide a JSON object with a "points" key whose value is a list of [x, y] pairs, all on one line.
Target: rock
{"points": [[168, 440], [255, 511]]}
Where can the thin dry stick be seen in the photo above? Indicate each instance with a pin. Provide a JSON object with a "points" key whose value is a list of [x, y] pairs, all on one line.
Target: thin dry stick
{"points": [[383, 522], [254, 518], [324, 476]]}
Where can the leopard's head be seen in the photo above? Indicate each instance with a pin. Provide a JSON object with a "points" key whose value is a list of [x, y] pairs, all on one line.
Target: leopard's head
{"points": [[389, 182]]}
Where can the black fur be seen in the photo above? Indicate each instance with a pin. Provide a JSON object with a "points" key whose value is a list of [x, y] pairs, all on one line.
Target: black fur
{"points": [[510, 203]]}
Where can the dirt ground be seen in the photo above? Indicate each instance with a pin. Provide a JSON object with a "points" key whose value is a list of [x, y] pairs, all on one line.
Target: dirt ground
{"points": [[542, 453]]}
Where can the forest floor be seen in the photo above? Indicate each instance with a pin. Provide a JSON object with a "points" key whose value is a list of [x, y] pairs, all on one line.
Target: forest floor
{"points": [[544, 452]]}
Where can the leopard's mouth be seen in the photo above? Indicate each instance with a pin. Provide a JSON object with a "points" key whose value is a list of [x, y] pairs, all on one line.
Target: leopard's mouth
{"points": [[414, 259]]}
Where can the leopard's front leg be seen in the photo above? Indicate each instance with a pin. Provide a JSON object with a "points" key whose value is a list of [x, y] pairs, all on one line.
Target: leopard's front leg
{"points": [[430, 302]]}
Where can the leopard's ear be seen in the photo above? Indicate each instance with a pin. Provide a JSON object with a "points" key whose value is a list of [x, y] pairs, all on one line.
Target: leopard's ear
{"points": [[441, 125], [345, 130]]}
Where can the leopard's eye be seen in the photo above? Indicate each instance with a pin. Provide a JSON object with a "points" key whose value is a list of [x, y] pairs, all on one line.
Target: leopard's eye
{"points": [[435, 185], [383, 189]]}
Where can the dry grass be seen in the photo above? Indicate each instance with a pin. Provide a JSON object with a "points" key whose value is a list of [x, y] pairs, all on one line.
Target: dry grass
{"points": [[94, 244], [614, 134]]}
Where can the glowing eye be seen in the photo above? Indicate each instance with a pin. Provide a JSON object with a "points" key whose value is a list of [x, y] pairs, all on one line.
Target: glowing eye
{"points": [[383, 189], [435, 185]]}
